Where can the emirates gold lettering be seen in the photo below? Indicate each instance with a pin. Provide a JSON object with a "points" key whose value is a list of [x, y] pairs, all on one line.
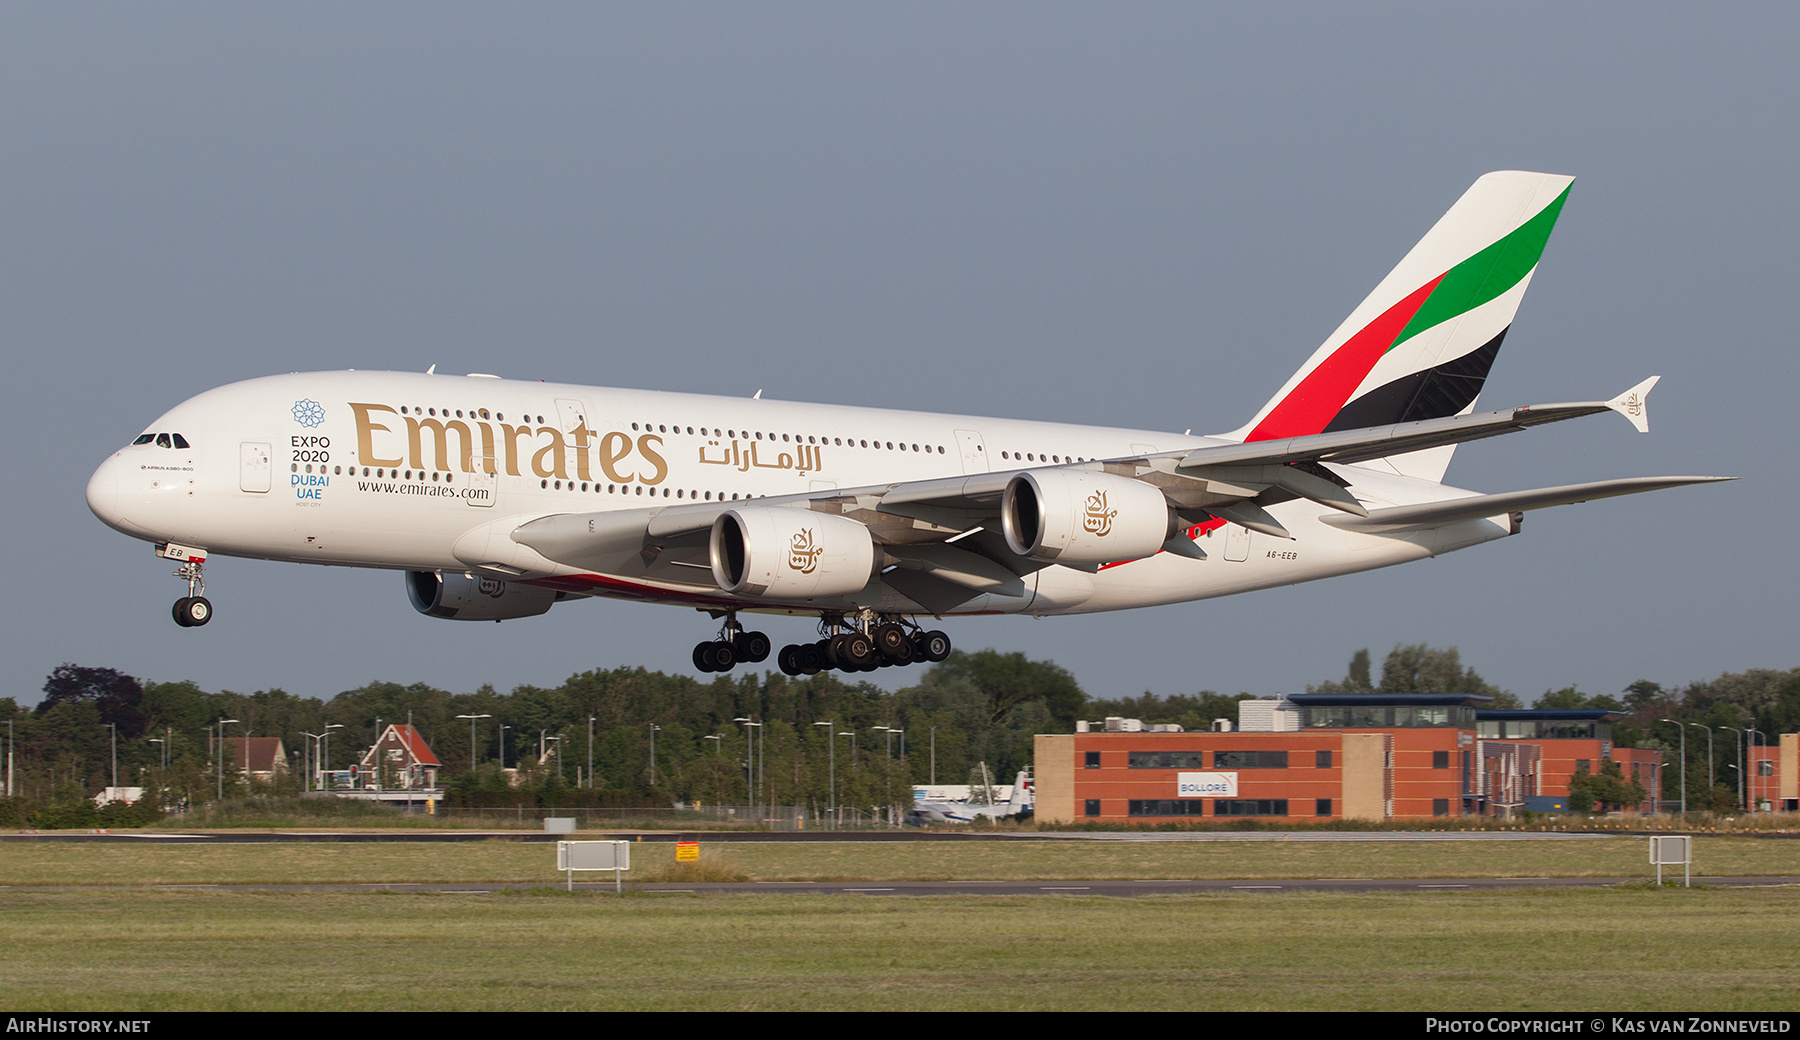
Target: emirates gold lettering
{"points": [[552, 452], [365, 434], [452, 445], [440, 432], [650, 455], [614, 447]]}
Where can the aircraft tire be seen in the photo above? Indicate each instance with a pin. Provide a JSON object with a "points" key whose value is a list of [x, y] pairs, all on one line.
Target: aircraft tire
{"points": [[702, 657], [857, 650], [789, 660], [197, 611], [936, 646], [752, 647], [180, 613], [723, 656], [891, 640]]}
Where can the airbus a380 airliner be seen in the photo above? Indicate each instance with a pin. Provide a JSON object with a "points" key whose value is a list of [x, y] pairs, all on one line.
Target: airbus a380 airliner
{"points": [[499, 499]]}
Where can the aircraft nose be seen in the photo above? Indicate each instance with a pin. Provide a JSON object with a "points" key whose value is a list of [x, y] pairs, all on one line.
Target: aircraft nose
{"points": [[103, 492]]}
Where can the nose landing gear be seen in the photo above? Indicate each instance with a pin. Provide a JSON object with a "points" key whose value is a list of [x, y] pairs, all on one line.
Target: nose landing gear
{"points": [[193, 609]]}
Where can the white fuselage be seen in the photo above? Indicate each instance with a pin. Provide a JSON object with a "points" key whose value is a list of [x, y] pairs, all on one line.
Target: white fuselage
{"points": [[423, 472]]}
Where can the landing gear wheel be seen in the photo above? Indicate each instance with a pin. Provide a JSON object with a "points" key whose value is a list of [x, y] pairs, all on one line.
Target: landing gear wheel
{"points": [[722, 656], [752, 647], [895, 647], [703, 656], [857, 653], [789, 659], [811, 658], [934, 646], [192, 612]]}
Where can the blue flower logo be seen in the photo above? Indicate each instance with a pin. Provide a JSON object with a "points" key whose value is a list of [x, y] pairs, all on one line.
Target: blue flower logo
{"points": [[308, 412]]}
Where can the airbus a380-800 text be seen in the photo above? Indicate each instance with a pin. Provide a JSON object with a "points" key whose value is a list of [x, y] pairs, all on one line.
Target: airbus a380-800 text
{"points": [[499, 498]]}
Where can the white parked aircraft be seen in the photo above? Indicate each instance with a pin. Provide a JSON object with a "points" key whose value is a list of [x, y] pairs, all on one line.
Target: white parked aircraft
{"points": [[500, 498]]}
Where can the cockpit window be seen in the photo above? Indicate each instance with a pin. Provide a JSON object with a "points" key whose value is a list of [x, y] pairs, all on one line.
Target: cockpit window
{"points": [[144, 438], [162, 440], [180, 441]]}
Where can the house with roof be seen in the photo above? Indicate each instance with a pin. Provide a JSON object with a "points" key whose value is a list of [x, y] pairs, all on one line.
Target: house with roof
{"points": [[258, 758], [401, 760]]}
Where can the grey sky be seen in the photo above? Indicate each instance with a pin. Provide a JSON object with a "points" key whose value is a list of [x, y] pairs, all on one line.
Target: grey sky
{"points": [[1139, 215]]}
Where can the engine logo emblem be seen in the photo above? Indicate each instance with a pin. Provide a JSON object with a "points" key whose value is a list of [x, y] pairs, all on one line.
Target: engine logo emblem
{"points": [[803, 555], [1097, 520]]}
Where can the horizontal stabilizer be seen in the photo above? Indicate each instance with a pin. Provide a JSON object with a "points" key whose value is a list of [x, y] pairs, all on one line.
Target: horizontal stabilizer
{"points": [[1431, 514]]}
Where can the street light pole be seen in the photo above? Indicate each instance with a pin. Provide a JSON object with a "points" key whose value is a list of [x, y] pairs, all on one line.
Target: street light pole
{"points": [[1683, 731], [653, 729], [474, 756], [1750, 733], [753, 756], [1740, 761], [830, 729], [222, 721]]}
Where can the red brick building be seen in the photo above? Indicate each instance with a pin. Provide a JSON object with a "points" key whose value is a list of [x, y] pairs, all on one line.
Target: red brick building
{"points": [[1333, 756]]}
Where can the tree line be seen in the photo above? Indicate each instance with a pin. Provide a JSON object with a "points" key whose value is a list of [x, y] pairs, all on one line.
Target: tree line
{"points": [[816, 737]]}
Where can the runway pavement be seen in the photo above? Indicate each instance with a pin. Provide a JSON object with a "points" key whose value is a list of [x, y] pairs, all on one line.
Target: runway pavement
{"points": [[962, 888]]}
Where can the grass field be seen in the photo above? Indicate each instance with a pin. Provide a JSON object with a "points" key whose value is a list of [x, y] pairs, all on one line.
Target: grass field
{"points": [[1618, 949], [508, 861], [1632, 948]]}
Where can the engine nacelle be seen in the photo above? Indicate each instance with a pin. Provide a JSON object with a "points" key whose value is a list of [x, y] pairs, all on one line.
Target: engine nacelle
{"points": [[790, 554], [1077, 516], [464, 597]]}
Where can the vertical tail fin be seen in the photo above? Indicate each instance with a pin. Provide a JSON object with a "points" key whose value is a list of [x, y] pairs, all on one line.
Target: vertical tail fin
{"points": [[1420, 346]]}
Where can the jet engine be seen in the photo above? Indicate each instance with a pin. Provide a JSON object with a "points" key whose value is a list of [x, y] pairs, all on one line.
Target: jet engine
{"points": [[1076, 516], [790, 554], [464, 597]]}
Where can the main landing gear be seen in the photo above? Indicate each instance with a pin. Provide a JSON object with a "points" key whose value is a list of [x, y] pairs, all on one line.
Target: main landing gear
{"points": [[863, 644], [193, 609], [733, 645]]}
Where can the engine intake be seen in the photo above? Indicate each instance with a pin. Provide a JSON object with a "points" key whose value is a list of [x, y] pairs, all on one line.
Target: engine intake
{"points": [[778, 553], [1076, 516], [464, 597]]}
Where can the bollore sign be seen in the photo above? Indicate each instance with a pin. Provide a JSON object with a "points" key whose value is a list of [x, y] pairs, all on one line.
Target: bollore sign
{"points": [[1206, 785]]}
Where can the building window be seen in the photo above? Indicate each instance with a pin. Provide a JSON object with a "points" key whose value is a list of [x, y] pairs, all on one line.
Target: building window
{"points": [[1322, 759], [1321, 807], [1166, 759], [1091, 807], [1584, 765], [1250, 760], [1166, 807], [1440, 760], [1440, 807], [1091, 760], [1250, 807], [1765, 767]]}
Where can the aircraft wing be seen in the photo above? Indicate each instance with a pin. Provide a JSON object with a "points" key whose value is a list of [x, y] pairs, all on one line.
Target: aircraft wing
{"points": [[941, 540]]}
